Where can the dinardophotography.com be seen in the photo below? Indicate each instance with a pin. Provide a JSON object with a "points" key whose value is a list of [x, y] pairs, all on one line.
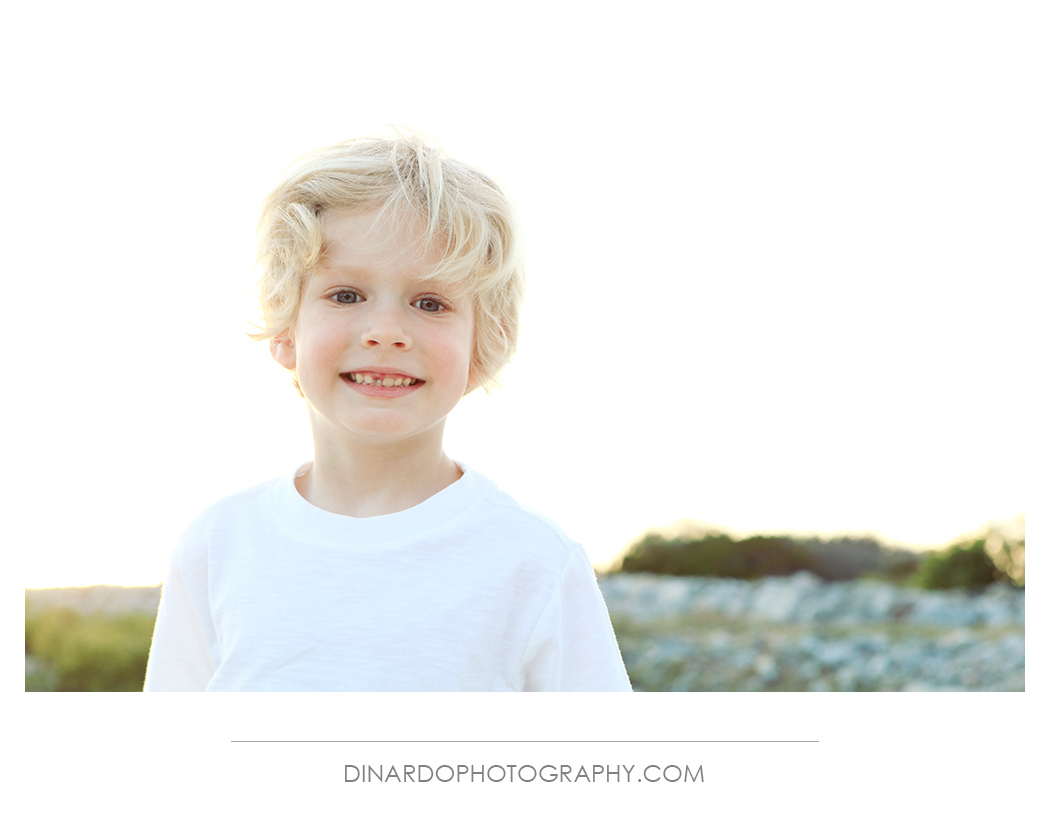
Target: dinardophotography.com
{"points": [[521, 773]]}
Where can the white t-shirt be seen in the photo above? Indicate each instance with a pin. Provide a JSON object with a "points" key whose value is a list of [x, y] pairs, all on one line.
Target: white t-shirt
{"points": [[465, 591]]}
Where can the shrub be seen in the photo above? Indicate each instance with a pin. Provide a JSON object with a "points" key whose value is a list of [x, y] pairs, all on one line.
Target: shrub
{"points": [[846, 558], [716, 555], [87, 653], [994, 555], [960, 566], [674, 557]]}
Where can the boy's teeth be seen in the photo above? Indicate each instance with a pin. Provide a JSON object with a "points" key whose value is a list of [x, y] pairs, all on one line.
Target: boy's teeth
{"points": [[389, 382]]}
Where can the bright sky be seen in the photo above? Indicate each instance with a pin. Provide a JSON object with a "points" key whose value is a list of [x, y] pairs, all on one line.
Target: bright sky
{"points": [[779, 263]]}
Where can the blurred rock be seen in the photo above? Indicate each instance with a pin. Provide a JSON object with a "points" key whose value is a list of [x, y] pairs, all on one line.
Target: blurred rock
{"points": [[799, 633]]}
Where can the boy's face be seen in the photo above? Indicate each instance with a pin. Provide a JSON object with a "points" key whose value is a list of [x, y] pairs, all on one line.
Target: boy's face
{"points": [[380, 355]]}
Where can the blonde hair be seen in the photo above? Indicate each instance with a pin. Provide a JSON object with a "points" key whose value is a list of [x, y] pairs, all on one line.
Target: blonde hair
{"points": [[407, 178]]}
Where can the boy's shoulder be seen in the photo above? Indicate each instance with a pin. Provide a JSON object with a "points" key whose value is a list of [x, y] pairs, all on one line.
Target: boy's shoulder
{"points": [[247, 504], [523, 523], [244, 501]]}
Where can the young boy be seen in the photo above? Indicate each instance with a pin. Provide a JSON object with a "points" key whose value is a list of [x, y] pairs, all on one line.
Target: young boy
{"points": [[392, 280]]}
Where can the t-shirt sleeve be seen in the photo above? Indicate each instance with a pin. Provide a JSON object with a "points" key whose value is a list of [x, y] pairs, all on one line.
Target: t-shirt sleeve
{"points": [[179, 658], [573, 648]]}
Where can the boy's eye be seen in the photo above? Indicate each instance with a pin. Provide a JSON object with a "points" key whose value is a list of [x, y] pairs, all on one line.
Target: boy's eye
{"points": [[347, 296], [429, 305]]}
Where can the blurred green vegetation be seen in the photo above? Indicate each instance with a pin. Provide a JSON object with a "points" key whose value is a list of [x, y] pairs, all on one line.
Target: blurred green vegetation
{"points": [[67, 651], [721, 555], [968, 563], [972, 564]]}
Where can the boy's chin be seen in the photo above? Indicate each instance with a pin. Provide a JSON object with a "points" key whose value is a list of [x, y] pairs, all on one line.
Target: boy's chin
{"points": [[389, 431]]}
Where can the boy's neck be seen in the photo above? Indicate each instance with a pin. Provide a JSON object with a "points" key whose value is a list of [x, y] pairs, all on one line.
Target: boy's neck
{"points": [[375, 480]]}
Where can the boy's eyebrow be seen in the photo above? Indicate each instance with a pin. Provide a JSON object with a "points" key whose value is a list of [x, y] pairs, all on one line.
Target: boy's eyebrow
{"points": [[366, 274], [330, 269]]}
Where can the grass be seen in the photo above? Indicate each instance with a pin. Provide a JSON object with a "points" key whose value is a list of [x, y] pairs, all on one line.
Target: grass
{"points": [[67, 651]]}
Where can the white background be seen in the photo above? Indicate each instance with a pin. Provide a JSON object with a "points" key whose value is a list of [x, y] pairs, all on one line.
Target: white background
{"points": [[780, 258]]}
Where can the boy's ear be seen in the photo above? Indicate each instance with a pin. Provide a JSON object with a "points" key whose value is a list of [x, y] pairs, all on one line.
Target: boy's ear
{"points": [[282, 347], [473, 381]]}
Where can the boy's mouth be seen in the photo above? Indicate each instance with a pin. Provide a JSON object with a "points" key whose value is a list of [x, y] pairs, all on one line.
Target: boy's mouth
{"points": [[387, 380]]}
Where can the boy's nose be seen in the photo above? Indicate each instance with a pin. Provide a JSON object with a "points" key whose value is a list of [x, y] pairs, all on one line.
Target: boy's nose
{"points": [[387, 330]]}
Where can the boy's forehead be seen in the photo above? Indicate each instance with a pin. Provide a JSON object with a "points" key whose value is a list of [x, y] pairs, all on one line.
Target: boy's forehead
{"points": [[366, 243], [364, 229], [370, 237]]}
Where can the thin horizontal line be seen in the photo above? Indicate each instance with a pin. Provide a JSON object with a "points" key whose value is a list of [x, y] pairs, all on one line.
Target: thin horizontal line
{"points": [[524, 741]]}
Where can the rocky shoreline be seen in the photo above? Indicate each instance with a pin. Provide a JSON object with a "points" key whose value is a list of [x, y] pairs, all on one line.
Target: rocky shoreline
{"points": [[797, 633]]}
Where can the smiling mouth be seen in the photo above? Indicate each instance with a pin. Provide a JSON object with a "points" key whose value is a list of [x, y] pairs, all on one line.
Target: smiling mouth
{"points": [[390, 381]]}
